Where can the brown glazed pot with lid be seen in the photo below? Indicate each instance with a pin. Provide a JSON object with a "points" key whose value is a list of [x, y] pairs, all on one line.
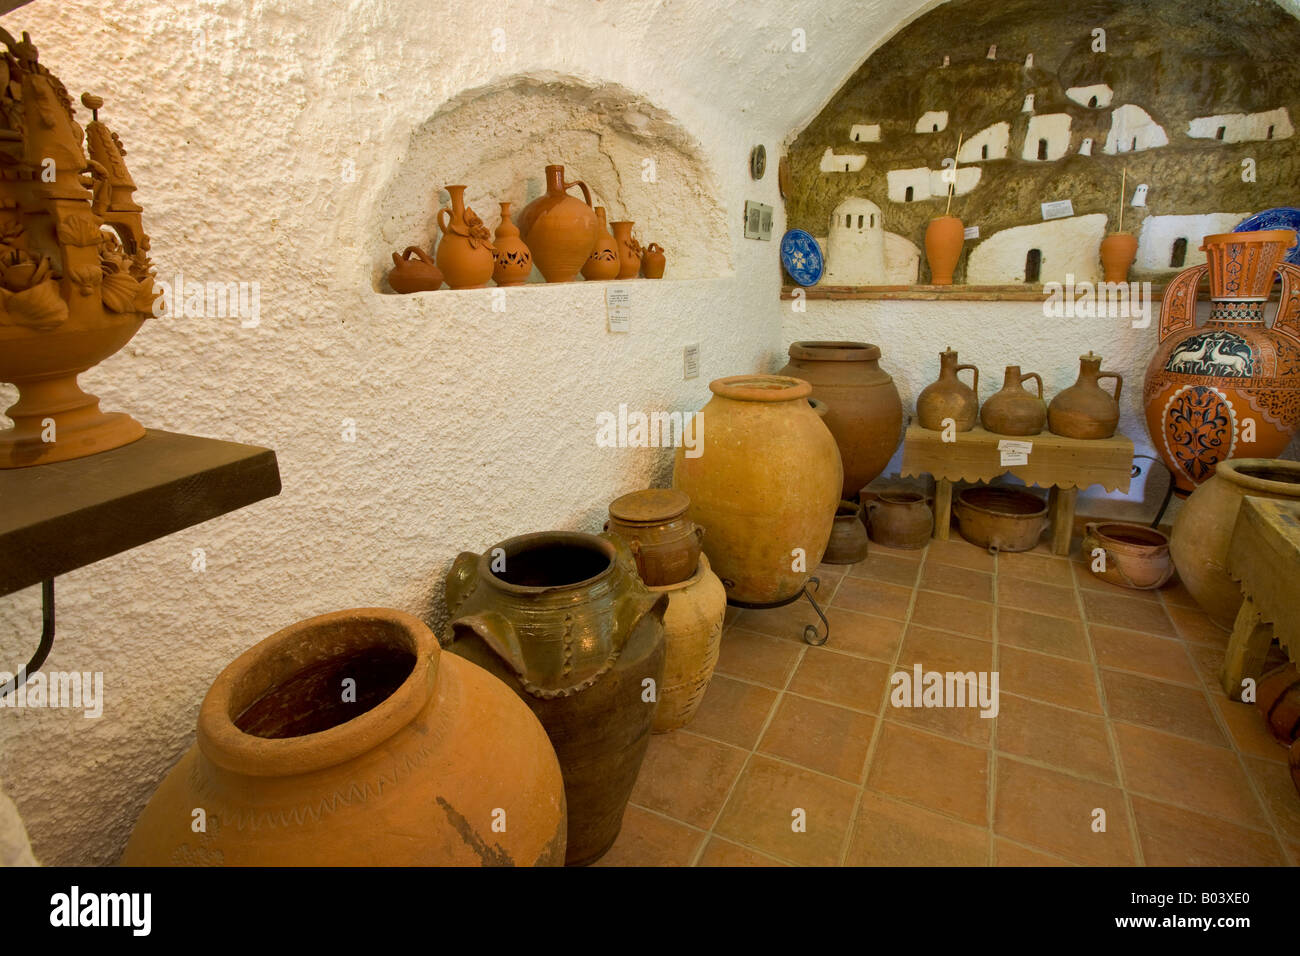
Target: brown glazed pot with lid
{"points": [[663, 540], [949, 397], [1085, 409], [1013, 410], [865, 413]]}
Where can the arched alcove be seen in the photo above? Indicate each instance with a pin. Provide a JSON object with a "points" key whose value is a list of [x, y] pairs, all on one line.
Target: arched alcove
{"points": [[637, 159]]}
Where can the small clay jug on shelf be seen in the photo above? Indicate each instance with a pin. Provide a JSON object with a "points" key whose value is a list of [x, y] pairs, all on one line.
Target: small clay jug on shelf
{"points": [[560, 229], [465, 250], [653, 261], [949, 397], [664, 542], [512, 261], [1118, 250], [603, 262], [944, 237], [1085, 409], [1012, 410], [899, 519], [848, 544], [414, 275], [629, 250]]}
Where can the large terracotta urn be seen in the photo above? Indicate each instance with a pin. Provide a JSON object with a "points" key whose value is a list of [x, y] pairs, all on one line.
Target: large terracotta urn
{"points": [[563, 620], [692, 642], [1210, 389], [351, 739], [559, 229], [766, 485], [1203, 528], [864, 413]]}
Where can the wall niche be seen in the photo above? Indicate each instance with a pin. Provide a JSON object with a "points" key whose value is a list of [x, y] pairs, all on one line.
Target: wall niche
{"points": [[637, 160]]}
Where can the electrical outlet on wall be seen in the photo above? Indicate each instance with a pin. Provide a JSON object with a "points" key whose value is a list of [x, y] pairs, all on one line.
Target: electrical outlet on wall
{"points": [[691, 361]]}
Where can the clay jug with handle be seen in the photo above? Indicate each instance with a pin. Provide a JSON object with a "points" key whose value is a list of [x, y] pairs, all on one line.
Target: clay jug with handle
{"points": [[653, 261], [418, 274], [1085, 409], [949, 397], [560, 229], [465, 252], [1013, 410], [603, 261]]}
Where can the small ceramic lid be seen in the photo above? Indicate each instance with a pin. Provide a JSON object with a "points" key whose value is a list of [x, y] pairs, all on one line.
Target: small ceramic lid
{"points": [[650, 505]]}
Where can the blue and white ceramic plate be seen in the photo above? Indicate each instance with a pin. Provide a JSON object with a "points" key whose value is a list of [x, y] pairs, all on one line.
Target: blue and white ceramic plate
{"points": [[1283, 217], [802, 257]]}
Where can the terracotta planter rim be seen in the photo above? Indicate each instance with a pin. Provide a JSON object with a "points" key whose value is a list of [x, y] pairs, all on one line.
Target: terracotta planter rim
{"points": [[1111, 531], [834, 351], [284, 654], [525, 542], [761, 388], [901, 497], [700, 570], [1238, 471]]}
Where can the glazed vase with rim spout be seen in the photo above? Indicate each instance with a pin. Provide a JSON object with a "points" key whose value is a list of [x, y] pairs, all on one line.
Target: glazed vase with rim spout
{"points": [[1118, 250], [512, 262], [864, 413], [419, 274], [944, 237], [560, 229], [1203, 528], [564, 621], [603, 262], [1085, 409], [1013, 410], [464, 252], [629, 250], [766, 486], [663, 540], [949, 397], [407, 772], [1204, 384]]}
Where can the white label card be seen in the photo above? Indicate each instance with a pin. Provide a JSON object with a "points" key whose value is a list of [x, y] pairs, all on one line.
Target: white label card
{"points": [[1012, 452], [972, 232], [1060, 209], [618, 308], [691, 362]]}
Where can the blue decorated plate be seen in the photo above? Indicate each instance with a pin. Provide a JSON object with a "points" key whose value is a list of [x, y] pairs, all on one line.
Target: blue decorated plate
{"points": [[802, 257], [1283, 217]]}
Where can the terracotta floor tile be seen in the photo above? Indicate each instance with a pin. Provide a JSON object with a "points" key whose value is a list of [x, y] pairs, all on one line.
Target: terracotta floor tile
{"points": [[1087, 581], [889, 567], [959, 615], [960, 552], [1208, 662], [1037, 596], [931, 771], [1043, 633], [943, 652], [1193, 625], [1032, 566], [1147, 654], [1279, 793], [651, 840], [1116, 610], [1051, 810], [1172, 708], [785, 622], [1049, 679], [720, 852], [1249, 730], [1176, 595], [729, 616], [873, 597], [1187, 773], [958, 581], [841, 679], [819, 736], [863, 635], [761, 812], [830, 575], [1066, 739], [687, 777], [733, 711], [1172, 836], [889, 833], [1006, 853], [757, 657]]}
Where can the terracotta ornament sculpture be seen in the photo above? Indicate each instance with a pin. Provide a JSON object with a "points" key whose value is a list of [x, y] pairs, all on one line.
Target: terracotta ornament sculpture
{"points": [[949, 397], [603, 262], [408, 770], [653, 261], [563, 620], [512, 260], [1203, 384], [560, 229], [865, 413], [663, 540], [419, 274], [76, 282], [465, 255], [629, 250], [692, 642], [1085, 409], [1013, 410]]}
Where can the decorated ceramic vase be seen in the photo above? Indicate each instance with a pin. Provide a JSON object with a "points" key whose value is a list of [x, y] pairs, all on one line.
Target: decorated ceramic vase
{"points": [[629, 250], [1231, 387], [603, 262], [413, 768], [512, 262], [565, 622], [464, 252], [560, 229]]}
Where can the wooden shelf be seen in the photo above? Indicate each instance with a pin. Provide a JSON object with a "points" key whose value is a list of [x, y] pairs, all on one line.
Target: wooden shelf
{"points": [[936, 293], [63, 516]]}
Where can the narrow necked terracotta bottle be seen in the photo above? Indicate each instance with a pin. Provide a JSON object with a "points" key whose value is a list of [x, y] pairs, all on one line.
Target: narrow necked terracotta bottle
{"points": [[560, 229], [949, 397], [1085, 409], [513, 262], [629, 250], [603, 261], [1014, 411], [464, 252]]}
